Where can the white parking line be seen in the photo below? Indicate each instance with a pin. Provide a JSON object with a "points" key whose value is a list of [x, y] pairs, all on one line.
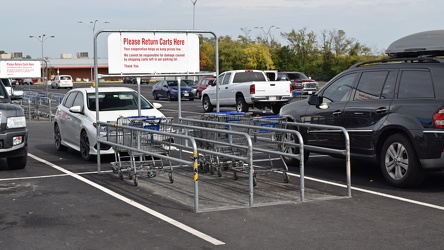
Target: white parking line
{"points": [[134, 204], [373, 192]]}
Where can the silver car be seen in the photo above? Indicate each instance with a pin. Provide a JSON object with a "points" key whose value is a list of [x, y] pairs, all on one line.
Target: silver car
{"points": [[75, 116]]}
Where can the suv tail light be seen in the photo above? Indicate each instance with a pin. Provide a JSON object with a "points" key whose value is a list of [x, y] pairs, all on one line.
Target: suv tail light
{"points": [[252, 89], [291, 88], [438, 118]]}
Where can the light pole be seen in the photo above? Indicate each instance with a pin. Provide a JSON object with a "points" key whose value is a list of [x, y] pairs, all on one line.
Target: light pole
{"points": [[42, 39], [267, 34], [194, 6], [92, 26]]}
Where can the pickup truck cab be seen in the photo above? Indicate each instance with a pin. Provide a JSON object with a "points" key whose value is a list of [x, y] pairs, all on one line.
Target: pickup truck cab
{"points": [[246, 89]]}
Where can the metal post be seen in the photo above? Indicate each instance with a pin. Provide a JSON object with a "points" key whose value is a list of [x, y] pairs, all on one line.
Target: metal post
{"points": [[194, 6]]}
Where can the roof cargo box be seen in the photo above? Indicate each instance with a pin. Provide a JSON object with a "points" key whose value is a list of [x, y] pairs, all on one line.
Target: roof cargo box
{"points": [[427, 43]]}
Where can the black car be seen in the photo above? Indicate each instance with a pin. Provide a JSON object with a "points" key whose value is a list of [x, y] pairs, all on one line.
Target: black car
{"points": [[393, 110]]}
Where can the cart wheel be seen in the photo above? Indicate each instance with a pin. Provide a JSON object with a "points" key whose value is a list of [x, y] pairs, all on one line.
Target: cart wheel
{"points": [[211, 170], [286, 177], [121, 174], [136, 181], [219, 172], [170, 175], [130, 175], [235, 176], [152, 174], [226, 166], [115, 171]]}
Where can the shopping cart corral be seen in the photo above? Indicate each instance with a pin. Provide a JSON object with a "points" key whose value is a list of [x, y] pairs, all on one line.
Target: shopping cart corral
{"points": [[266, 138], [39, 104], [132, 160]]}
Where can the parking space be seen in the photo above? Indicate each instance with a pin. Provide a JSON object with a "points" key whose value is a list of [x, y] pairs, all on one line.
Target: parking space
{"points": [[59, 201]]}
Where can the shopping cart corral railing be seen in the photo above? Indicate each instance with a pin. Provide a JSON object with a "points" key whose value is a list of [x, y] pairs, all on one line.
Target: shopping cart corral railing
{"points": [[273, 135], [39, 105], [137, 136], [265, 134]]}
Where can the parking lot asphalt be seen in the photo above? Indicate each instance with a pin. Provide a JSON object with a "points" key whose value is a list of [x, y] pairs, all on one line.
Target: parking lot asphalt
{"points": [[60, 202]]}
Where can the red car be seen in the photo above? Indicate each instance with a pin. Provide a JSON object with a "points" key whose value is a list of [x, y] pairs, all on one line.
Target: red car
{"points": [[203, 84]]}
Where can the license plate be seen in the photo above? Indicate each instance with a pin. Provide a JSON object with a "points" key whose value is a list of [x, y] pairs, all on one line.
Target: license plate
{"points": [[186, 94], [272, 98], [310, 92]]}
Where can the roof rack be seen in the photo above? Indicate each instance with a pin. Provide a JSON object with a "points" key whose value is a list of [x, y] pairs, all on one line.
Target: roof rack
{"points": [[427, 43], [419, 59]]}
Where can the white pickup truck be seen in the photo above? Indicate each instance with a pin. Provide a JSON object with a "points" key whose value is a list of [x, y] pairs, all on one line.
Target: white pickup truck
{"points": [[247, 88]]}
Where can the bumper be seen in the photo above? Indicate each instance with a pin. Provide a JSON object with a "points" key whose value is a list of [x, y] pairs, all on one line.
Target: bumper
{"points": [[271, 99]]}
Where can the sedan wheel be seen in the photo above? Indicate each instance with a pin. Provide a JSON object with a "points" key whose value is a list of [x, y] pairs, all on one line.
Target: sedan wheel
{"points": [[58, 139], [84, 146]]}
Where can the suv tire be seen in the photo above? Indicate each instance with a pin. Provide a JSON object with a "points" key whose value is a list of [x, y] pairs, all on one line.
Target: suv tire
{"points": [[399, 163]]}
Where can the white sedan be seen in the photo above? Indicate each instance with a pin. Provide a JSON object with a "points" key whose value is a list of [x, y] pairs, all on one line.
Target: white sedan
{"points": [[75, 116]]}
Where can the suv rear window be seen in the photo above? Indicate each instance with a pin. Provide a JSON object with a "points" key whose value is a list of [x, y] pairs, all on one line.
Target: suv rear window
{"points": [[415, 84]]}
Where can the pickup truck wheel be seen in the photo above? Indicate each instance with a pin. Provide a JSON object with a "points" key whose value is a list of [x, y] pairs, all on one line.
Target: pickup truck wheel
{"points": [[241, 105], [156, 97], [399, 163], [17, 162], [206, 104]]}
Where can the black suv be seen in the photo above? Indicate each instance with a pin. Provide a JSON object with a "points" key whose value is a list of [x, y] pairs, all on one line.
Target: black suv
{"points": [[393, 110], [13, 131]]}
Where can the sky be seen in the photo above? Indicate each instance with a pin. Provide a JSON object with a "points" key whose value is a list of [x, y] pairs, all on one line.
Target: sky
{"points": [[374, 23]]}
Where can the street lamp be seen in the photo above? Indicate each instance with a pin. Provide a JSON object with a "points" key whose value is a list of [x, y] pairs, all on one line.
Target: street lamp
{"points": [[92, 26], [42, 39], [267, 34], [194, 6]]}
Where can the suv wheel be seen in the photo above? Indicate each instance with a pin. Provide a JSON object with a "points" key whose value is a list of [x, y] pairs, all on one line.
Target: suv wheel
{"points": [[399, 163], [17, 162], [84, 146], [58, 139], [293, 161]]}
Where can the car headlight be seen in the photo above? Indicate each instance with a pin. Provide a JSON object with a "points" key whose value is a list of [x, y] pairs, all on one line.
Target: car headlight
{"points": [[16, 122]]}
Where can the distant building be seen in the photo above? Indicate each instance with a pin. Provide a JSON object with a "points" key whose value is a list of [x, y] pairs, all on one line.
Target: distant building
{"points": [[78, 68]]}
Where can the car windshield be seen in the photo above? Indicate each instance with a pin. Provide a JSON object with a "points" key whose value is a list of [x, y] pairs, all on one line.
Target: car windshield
{"points": [[174, 84], [297, 76], [117, 101], [189, 82]]}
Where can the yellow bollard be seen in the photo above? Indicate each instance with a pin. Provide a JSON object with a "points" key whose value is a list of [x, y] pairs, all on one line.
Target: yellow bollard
{"points": [[94, 84]]}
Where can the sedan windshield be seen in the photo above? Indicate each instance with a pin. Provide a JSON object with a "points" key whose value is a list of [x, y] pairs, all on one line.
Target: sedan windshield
{"points": [[117, 101]]}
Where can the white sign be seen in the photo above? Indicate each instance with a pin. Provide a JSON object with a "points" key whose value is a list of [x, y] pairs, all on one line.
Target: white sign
{"points": [[133, 53], [20, 69]]}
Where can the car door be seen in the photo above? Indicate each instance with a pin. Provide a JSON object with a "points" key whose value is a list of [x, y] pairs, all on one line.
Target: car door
{"points": [[225, 93], [368, 108], [64, 117], [331, 112], [76, 119]]}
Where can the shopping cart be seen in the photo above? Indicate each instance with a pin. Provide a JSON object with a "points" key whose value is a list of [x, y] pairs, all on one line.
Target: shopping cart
{"points": [[214, 163], [133, 161]]}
